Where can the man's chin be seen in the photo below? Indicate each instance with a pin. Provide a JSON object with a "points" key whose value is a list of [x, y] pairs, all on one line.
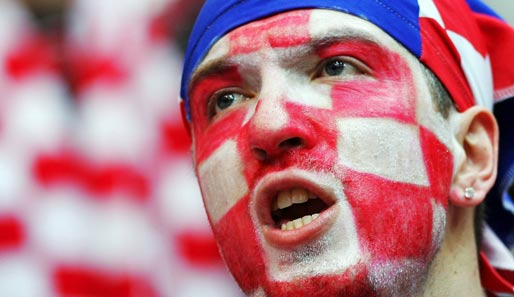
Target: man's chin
{"points": [[393, 278], [353, 282]]}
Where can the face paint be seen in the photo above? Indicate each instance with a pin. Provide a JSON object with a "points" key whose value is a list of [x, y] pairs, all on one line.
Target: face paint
{"points": [[279, 32], [319, 168]]}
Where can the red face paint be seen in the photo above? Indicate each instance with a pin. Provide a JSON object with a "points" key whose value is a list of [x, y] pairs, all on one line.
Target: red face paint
{"points": [[349, 138], [277, 32], [373, 98]]}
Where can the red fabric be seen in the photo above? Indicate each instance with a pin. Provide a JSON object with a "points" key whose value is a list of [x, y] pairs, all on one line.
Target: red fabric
{"points": [[98, 180], [445, 57], [88, 67], [495, 280], [175, 138], [12, 233], [80, 281], [437, 47], [504, 73], [32, 54], [198, 248]]}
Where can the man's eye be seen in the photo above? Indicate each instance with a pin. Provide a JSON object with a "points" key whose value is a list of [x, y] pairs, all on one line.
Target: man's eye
{"points": [[335, 67], [224, 100], [339, 66]]}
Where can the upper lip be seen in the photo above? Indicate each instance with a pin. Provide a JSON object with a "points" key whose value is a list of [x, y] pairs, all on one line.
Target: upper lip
{"points": [[268, 188]]}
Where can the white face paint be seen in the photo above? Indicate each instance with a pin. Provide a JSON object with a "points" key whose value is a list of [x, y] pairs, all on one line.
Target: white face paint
{"points": [[364, 148], [228, 187], [323, 164]]}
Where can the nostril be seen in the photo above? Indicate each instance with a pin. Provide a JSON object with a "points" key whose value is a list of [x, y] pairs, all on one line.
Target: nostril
{"points": [[260, 154], [291, 143], [264, 153]]}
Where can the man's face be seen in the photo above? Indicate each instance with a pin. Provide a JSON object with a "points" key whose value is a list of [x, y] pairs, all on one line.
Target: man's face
{"points": [[323, 164]]}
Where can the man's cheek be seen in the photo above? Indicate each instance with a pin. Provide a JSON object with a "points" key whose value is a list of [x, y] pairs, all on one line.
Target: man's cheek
{"points": [[388, 99], [395, 199], [221, 180], [393, 219], [208, 140], [439, 163], [238, 241], [390, 92], [226, 197], [384, 147]]}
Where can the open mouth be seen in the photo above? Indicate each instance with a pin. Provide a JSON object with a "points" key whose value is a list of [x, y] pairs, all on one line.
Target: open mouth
{"points": [[295, 208]]}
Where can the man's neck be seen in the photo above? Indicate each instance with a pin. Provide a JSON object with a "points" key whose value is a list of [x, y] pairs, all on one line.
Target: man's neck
{"points": [[455, 271]]}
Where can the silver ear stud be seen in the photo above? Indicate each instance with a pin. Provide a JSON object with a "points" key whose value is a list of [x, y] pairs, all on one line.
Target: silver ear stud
{"points": [[469, 192]]}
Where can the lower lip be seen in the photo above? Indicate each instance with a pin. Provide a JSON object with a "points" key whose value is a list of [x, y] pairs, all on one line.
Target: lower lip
{"points": [[297, 237]]}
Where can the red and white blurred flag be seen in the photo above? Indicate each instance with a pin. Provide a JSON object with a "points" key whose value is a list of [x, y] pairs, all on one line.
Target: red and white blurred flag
{"points": [[97, 192]]}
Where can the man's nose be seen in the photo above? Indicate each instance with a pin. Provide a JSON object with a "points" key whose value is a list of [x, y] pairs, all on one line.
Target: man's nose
{"points": [[275, 130]]}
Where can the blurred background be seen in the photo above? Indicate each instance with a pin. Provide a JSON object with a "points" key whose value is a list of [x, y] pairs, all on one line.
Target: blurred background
{"points": [[97, 193]]}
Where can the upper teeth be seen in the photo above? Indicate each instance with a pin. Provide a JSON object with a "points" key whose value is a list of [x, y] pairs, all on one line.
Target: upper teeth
{"points": [[287, 198]]}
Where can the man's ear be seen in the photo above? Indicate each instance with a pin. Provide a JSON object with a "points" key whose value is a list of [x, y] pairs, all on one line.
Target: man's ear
{"points": [[477, 156]]}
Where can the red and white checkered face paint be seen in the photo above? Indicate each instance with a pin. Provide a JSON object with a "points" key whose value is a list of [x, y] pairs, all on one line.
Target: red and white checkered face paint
{"points": [[323, 164]]}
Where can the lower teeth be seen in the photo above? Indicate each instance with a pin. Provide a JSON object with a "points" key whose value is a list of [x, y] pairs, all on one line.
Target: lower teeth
{"points": [[298, 223]]}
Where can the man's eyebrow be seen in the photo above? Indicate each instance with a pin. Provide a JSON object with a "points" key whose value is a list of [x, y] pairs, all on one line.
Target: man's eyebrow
{"points": [[344, 35], [213, 67]]}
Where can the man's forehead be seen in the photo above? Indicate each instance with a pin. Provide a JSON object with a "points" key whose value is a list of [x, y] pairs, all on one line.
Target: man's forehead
{"points": [[301, 29]]}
